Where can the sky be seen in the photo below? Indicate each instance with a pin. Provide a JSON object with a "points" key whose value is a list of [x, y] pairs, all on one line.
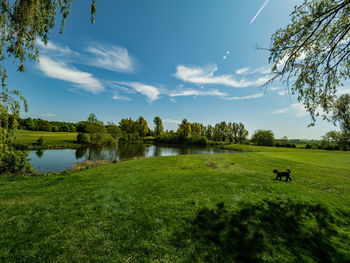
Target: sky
{"points": [[174, 59]]}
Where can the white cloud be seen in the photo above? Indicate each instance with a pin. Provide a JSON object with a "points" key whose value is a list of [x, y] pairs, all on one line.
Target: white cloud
{"points": [[342, 91], [172, 121], [299, 110], [60, 70], [119, 97], [242, 71], [246, 71], [113, 58], [254, 96], [193, 92], [281, 111], [224, 57], [173, 100], [296, 109], [151, 92], [198, 75], [48, 115], [52, 47], [275, 88], [282, 92]]}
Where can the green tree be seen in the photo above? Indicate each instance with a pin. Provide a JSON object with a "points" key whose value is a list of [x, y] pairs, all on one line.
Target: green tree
{"points": [[312, 54], [114, 130], [341, 115], [96, 130], [196, 129], [142, 127], [158, 126], [242, 133], [184, 129], [263, 138], [209, 133]]}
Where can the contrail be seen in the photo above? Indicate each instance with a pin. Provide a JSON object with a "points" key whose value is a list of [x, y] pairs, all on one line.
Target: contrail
{"points": [[261, 9]]}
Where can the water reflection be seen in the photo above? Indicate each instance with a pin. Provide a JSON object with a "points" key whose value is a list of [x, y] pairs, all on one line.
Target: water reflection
{"points": [[57, 160], [39, 153]]}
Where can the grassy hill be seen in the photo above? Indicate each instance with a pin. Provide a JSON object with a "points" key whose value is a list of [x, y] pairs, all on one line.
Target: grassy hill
{"points": [[199, 208]]}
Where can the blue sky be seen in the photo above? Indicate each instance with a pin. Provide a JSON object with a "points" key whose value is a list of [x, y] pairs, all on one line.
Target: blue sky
{"points": [[174, 59]]}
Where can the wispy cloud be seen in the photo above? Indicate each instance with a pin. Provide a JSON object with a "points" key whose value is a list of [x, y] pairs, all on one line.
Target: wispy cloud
{"points": [[172, 121], [60, 70], [242, 71], [296, 109], [119, 97], [193, 92], [248, 71], [54, 48], [151, 92], [49, 115], [112, 58], [254, 96], [342, 91], [198, 75]]}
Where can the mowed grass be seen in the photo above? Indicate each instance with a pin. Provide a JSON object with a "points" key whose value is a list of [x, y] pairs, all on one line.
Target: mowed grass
{"points": [[199, 208], [30, 137]]}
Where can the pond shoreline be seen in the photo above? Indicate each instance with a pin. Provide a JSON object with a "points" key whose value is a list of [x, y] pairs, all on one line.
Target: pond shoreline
{"points": [[55, 160]]}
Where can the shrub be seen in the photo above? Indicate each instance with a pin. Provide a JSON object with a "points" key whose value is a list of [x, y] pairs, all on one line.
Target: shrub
{"points": [[82, 138], [40, 141], [15, 162]]}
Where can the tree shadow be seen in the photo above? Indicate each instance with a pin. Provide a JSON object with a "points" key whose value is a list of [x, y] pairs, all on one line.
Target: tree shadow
{"points": [[261, 232]]}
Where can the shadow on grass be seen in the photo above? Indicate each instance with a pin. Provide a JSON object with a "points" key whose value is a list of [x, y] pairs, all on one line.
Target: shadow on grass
{"points": [[272, 231]]}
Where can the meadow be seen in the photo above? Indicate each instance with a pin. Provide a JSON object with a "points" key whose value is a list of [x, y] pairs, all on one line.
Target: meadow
{"points": [[28, 139], [194, 208]]}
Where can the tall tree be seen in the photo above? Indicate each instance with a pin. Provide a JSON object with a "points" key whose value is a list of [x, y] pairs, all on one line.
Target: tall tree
{"points": [[242, 133], [341, 115], [96, 129], [185, 129], [142, 127], [312, 54], [158, 126]]}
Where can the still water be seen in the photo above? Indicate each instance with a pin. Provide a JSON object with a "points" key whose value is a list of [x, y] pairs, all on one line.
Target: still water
{"points": [[59, 160]]}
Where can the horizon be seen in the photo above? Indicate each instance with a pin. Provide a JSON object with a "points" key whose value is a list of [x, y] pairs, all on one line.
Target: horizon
{"points": [[173, 60]]}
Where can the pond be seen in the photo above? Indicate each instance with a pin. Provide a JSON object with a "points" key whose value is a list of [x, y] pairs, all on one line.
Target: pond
{"points": [[59, 160]]}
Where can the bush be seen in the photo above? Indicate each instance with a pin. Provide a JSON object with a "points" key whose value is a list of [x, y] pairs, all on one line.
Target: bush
{"points": [[40, 141], [82, 138], [15, 162]]}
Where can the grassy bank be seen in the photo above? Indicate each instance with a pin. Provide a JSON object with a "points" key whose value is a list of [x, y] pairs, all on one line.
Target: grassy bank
{"points": [[200, 208], [52, 140]]}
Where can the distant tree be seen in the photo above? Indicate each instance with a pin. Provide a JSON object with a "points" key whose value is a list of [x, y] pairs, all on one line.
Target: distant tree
{"points": [[127, 125], [263, 138], [312, 54], [341, 115], [209, 132], [196, 129], [142, 127], [184, 129], [114, 130], [96, 130], [158, 126], [332, 137], [242, 133]]}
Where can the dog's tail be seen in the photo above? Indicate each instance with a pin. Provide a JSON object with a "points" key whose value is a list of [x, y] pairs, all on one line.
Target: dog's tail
{"points": [[289, 171]]}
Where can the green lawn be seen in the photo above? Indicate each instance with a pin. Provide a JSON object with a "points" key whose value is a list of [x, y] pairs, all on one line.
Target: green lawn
{"points": [[26, 138], [199, 208]]}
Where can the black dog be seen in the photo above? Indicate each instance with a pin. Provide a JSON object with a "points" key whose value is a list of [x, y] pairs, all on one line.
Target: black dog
{"points": [[282, 174]]}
